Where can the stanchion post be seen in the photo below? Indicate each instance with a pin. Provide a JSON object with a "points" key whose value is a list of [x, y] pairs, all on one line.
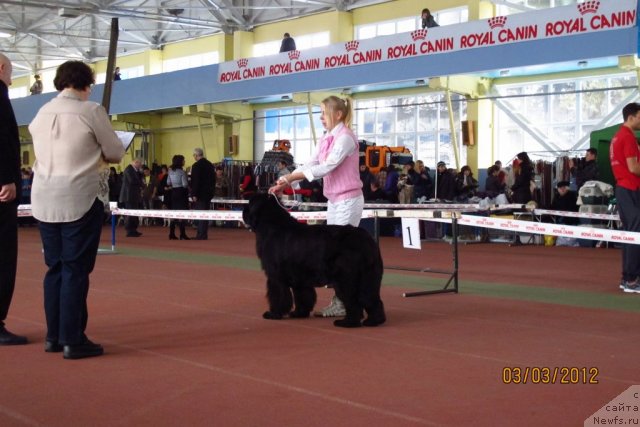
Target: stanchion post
{"points": [[454, 232], [114, 221]]}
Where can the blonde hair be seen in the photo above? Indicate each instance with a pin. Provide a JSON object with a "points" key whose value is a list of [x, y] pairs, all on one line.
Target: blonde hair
{"points": [[344, 106]]}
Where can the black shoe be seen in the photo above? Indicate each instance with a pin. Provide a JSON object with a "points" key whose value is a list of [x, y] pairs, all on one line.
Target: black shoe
{"points": [[172, 237], [134, 234], [7, 338], [80, 351], [185, 237], [52, 347]]}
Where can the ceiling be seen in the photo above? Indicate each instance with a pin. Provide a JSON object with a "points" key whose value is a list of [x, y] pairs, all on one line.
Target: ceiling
{"points": [[37, 31]]}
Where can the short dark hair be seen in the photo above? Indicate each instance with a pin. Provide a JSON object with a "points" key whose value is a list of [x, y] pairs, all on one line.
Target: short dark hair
{"points": [[593, 151], [73, 74], [630, 110], [177, 162]]}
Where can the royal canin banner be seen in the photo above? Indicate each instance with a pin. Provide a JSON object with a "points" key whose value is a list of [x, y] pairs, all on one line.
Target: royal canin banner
{"points": [[588, 17]]}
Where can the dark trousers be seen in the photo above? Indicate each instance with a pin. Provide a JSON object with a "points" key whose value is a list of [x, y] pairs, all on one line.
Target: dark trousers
{"points": [[131, 222], [70, 250], [203, 225], [8, 255], [629, 210]]}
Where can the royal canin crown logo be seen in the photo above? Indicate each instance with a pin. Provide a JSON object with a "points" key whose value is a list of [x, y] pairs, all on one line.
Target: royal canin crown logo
{"points": [[418, 35], [497, 22], [294, 54], [590, 6], [352, 45], [243, 62]]}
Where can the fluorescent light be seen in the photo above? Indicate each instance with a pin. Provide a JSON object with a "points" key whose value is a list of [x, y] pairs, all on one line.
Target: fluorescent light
{"points": [[4, 35]]}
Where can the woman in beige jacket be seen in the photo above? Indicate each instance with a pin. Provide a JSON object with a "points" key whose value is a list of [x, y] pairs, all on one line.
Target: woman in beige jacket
{"points": [[73, 141]]}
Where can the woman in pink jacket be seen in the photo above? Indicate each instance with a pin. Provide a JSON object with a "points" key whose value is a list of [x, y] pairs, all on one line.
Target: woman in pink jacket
{"points": [[335, 159]]}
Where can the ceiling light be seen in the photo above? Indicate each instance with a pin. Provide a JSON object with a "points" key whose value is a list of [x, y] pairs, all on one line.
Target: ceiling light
{"points": [[4, 35], [582, 64], [504, 73], [420, 82], [286, 98]]}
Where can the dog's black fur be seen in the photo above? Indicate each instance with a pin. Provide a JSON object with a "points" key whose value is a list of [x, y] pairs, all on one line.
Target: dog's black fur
{"points": [[296, 257]]}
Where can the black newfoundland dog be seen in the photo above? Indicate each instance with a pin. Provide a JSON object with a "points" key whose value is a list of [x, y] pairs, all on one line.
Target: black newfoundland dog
{"points": [[297, 257]]}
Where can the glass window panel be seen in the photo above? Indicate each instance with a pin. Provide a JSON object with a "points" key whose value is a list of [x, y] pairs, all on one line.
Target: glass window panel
{"points": [[386, 121], [406, 115], [408, 141], [18, 92], [427, 149], [386, 28], [366, 32], [427, 116], [407, 25], [286, 124], [536, 107], [564, 105], [594, 104], [564, 134]]}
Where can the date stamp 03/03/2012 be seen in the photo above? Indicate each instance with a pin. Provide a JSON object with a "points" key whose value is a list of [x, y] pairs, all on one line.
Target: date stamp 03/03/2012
{"points": [[549, 375]]}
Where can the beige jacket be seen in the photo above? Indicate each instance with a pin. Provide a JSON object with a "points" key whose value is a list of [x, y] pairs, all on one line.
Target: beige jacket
{"points": [[72, 139]]}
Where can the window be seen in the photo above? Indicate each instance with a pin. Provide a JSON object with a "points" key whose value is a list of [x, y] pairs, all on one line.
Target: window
{"points": [[185, 62], [18, 92], [518, 6], [125, 73], [404, 25], [303, 42], [557, 116], [287, 123], [420, 123]]}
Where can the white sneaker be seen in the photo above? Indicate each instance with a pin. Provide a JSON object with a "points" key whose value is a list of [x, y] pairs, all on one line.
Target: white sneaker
{"points": [[334, 309]]}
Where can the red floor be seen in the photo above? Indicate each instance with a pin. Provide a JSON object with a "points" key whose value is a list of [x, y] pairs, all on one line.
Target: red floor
{"points": [[186, 343]]}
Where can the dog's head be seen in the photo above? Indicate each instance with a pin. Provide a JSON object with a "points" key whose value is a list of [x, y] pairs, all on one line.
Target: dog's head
{"points": [[263, 210]]}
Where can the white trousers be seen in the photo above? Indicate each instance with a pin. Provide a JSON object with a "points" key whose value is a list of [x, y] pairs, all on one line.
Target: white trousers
{"points": [[345, 212]]}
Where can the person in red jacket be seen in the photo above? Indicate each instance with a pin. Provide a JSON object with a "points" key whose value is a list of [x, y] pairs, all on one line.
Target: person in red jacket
{"points": [[624, 155]]}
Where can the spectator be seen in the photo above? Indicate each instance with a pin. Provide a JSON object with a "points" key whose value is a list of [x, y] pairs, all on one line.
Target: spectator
{"points": [[391, 184], [466, 184], [36, 87], [493, 186], [586, 168], [523, 176], [9, 198], [282, 168], [247, 183], [367, 178], [149, 186], [375, 193], [428, 21], [445, 182], [179, 184], [422, 185], [116, 74], [115, 184], [131, 195], [624, 154], [222, 183], [203, 184], [288, 43], [69, 196], [565, 200], [26, 187]]}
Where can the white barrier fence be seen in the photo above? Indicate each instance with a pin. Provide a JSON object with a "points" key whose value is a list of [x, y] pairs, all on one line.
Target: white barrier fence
{"points": [[427, 212]]}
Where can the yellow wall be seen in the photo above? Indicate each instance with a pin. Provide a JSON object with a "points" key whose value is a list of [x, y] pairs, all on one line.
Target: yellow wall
{"points": [[339, 24]]}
